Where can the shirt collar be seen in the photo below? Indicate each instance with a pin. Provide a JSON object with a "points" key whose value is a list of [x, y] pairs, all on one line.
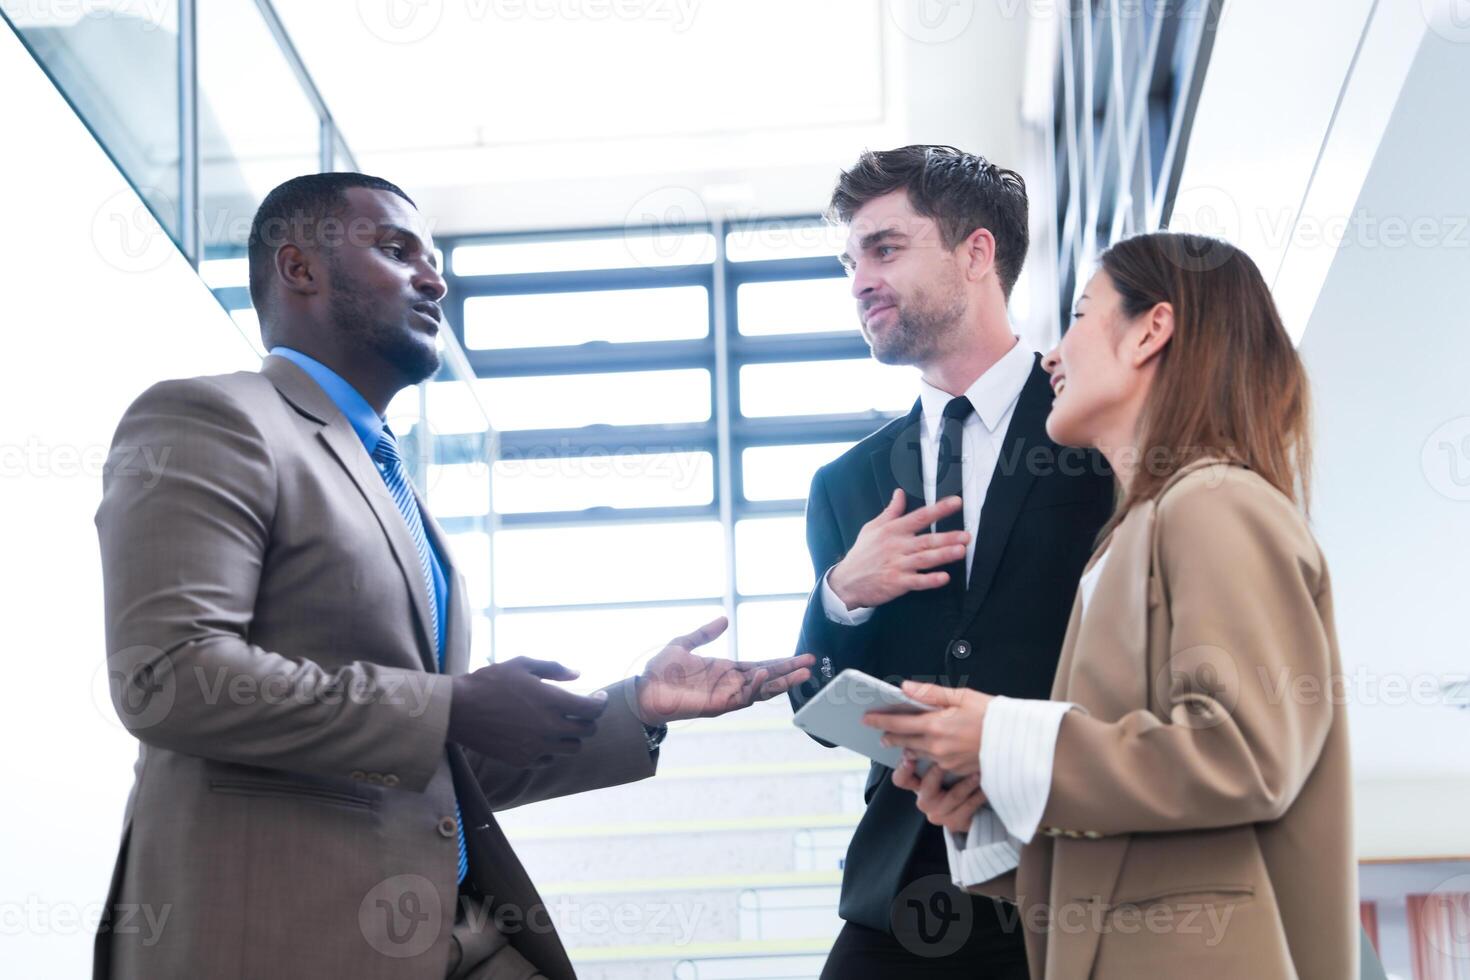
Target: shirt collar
{"points": [[365, 422], [992, 393]]}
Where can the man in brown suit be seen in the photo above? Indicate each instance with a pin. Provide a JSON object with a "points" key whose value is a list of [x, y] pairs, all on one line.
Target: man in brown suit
{"points": [[288, 638]]}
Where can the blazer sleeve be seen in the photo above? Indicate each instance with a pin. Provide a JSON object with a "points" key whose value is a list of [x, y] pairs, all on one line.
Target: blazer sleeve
{"points": [[183, 546], [616, 754], [836, 646], [1248, 678]]}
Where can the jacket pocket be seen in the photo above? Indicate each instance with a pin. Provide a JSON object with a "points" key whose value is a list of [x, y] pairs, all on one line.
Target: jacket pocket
{"points": [[290, 791], [1189, 895]]}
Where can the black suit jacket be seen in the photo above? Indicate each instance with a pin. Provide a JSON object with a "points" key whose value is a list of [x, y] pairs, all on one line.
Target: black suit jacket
{"points": [[1041, 516]]}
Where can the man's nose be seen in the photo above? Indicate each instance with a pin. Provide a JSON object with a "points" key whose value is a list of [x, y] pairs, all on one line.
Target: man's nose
{"points": [[430, 283], [862, 282]]}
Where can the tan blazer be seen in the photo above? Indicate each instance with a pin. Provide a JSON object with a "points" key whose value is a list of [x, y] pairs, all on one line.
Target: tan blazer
{"points": [[1199, 822], [269, 645]]}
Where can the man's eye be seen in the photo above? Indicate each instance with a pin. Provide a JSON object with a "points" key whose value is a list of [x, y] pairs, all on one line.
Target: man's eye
{"points": [[884, 250], [395, 249]]}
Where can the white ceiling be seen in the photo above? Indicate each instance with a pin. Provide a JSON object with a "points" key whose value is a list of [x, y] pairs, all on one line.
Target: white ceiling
{"points": [[512, 114]]}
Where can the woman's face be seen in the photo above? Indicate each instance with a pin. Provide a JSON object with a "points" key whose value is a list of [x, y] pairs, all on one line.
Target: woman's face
{"points": [[1098, 387]]}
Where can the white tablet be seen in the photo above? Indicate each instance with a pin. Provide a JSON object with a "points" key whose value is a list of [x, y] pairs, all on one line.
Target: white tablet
{"points": [[836, 715]]}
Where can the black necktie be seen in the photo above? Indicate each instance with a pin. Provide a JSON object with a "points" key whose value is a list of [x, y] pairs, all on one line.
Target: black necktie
{"points": [[949, 477]]}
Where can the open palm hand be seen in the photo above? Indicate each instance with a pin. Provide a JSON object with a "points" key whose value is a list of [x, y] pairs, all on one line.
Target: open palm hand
{"points": [[679, 683]]}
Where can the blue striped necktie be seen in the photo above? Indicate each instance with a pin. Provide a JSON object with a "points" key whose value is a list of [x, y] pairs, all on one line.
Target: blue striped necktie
{"points": [[390, 465]]}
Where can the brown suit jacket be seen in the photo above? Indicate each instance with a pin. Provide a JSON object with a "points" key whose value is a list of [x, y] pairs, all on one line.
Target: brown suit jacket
{"points": [[293, 812], [1199, 822]]}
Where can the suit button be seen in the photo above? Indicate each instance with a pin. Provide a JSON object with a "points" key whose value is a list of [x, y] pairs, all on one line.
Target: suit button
{"points": [[959, 649], [358, 774], [390, 780], [375, 777], [448, 827], [1091, 834], [1073, 834]]}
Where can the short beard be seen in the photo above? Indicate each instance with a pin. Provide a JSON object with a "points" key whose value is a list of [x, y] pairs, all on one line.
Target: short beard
{"points": [[922, 332], [361, 324]]}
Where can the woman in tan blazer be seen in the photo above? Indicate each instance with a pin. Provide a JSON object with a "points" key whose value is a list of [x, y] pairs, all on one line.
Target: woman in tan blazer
{"points": [[1182, 805]]}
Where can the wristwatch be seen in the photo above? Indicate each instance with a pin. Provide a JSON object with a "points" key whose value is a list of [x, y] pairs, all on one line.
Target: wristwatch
{"points": [[655, 736]]}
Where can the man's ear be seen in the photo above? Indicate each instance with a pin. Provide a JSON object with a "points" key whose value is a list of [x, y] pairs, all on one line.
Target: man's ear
{"points": [[297, 270], [1158, 328], [979, 251]]}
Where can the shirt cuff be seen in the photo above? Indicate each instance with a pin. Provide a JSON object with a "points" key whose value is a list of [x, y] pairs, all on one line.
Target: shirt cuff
{"points": [[1018, 744], [986, 852], [837, 610]]}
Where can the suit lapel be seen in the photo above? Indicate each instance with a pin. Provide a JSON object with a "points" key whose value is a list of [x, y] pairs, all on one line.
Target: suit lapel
{"points": [[342, 443], [896, 464], [1009, 484], [456, 616]]}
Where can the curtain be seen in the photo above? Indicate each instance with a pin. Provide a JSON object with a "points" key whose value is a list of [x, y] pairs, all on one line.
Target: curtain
{"points": [[1368, 913]]}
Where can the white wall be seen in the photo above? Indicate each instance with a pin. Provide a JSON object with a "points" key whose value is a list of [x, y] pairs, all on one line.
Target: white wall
{"points": [[1330, 144], [1387, 345], [96, 304]]}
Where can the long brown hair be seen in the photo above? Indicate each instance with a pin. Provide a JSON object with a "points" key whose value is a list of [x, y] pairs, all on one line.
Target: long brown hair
{"points": [[1229, 382]]}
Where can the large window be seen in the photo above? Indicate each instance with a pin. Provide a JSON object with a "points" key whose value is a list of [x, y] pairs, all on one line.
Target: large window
{"points": [[1127, 82]]}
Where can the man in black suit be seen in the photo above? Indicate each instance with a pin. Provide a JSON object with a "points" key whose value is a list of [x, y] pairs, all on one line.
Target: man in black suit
{"points": [[936, 239]]}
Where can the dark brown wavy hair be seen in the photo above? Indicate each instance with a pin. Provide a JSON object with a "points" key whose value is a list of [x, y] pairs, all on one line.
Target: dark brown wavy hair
{"points": [[1229, 382]]}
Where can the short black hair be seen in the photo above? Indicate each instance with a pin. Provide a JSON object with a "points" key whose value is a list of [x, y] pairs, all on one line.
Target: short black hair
{"points": [[297, 208], [960, 191]]}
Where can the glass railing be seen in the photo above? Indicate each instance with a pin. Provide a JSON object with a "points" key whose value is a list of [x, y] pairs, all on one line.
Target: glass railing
{"points": [[204, 107], [119, 66]]}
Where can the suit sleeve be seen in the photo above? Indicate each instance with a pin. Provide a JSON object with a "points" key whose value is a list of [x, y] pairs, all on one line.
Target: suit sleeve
{"points": [[183, 547], [1241, 578], [616, 754], [836, 646]]}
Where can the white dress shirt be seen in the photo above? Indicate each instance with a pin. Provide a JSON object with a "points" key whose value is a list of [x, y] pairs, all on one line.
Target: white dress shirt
{"points": [[1018, 745]]}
